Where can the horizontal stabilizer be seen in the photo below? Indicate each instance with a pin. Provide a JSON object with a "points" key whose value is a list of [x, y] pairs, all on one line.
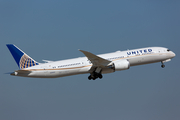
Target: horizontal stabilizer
{"points": [[21, 72], [9, 73], [47, 61]]}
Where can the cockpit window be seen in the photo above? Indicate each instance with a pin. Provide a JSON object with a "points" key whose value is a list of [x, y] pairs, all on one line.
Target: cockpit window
{"points": [[168, 50]]}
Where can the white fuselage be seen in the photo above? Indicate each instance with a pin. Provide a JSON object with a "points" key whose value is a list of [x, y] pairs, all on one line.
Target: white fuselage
{"points": [[82, 65]]}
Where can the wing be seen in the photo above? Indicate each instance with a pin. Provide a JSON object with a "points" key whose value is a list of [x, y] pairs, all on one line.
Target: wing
{"points": [[96, 60]]}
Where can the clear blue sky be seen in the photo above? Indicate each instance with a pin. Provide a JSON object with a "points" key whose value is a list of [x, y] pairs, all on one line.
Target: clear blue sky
{"points": [[56, 29]]}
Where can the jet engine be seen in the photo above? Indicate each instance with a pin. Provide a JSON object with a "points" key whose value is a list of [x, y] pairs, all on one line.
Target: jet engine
{"points": [[120, 65]]}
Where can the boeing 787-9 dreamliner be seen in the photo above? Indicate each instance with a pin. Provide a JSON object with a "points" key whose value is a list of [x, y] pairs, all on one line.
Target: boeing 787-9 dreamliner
{"points": [[95, 65]]}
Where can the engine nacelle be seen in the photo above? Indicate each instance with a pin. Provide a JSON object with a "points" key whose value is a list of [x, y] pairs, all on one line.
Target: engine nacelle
{"points": [[120, 65]]}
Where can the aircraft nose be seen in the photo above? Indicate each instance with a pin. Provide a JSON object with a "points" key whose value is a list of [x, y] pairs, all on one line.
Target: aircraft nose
{"points": [[173, 54]]}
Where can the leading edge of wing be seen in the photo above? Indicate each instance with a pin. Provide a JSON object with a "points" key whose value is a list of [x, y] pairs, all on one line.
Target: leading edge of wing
{"points": [[96, 60]]}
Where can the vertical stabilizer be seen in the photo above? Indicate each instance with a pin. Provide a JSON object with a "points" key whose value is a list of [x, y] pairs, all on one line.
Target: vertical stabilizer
{"points": [[21, 58]]}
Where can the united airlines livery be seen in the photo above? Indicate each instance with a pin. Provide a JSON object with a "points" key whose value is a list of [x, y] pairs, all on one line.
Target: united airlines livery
{"points": [[95, 65]]}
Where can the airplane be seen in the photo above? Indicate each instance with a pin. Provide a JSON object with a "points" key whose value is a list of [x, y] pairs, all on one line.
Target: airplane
{"points": [[95, 65]]}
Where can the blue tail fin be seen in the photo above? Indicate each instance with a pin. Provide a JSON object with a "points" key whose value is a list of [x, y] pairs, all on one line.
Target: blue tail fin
{"points": [[21, 58]]}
